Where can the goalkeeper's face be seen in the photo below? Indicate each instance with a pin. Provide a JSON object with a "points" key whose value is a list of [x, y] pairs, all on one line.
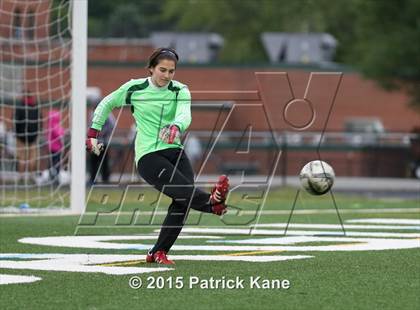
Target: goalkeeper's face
{"points": [[163, 72]]}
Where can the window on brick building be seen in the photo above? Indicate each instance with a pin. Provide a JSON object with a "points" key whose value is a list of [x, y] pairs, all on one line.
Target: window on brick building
{"points": [[17, 24], [30, 32]]}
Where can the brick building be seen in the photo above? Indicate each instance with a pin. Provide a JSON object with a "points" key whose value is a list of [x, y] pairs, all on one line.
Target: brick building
{"points": [[265, 102]]}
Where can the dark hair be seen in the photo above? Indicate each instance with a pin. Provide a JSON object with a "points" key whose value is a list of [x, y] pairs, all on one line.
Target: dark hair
{"points": [[162, 53]]}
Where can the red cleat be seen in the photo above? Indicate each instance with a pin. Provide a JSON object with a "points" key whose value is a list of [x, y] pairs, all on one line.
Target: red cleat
{"points": [[219, 209], [220, 191], [149, 258], [160, 258]]}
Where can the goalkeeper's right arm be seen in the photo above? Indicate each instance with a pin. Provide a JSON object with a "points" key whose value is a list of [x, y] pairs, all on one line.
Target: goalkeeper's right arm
{"points": [[92, 144], [102, 111]]}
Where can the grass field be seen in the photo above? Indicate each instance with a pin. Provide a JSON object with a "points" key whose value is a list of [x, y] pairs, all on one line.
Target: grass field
{"points": [[374, 266]]}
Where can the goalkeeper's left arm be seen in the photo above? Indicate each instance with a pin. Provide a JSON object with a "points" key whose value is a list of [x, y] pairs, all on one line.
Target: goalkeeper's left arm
{"points": [[171, 133]]}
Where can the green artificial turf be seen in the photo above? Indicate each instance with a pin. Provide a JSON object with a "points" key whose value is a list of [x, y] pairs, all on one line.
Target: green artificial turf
{"points": [[385, 279]]}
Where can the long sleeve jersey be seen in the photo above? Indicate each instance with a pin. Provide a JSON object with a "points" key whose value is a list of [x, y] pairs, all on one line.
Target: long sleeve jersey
{"points": [[152, 108]]}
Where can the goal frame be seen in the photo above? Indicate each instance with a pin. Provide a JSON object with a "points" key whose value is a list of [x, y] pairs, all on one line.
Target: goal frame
{"points": [[78, 106]]}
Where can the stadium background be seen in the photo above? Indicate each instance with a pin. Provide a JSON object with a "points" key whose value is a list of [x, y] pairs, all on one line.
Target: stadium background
{"points": [[389, 152]]}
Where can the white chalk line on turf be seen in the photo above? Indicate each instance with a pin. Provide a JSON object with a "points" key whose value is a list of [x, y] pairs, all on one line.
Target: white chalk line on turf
{"points": [[334, 226], [299, 226], [111, 263], [385, 221], [16, 279], [273, 242], [282, 212], [263, 232], [244, 212]]}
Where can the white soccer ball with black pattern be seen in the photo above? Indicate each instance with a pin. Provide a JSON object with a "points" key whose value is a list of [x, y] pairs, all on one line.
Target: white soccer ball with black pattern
{"points": [[317, 177]]}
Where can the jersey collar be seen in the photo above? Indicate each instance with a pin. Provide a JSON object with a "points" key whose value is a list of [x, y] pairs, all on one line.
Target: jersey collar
{"points": [[153, 86]]}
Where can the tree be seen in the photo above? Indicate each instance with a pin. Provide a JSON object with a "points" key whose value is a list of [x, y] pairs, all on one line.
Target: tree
{"points": [[241, 22], [127, 22], [237, 21], [386, 46], [127, 18], [380, 38]]}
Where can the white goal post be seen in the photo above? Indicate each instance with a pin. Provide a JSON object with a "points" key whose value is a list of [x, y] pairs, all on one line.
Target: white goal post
{"points": [[78, 106]]}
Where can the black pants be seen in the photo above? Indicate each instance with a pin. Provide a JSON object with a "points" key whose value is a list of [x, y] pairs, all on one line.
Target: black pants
{"points": [[170, 172], [55, 165], [95, 162]]}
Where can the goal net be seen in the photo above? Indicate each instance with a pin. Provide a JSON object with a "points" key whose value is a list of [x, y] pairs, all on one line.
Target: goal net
{"points": [[38, 143]]}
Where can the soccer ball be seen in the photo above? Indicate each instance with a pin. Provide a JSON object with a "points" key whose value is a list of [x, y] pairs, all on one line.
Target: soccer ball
{"points": [[317, 177]]}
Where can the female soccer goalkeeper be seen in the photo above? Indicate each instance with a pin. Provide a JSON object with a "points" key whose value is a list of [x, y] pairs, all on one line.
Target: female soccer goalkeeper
{"points": [[161, 108]]}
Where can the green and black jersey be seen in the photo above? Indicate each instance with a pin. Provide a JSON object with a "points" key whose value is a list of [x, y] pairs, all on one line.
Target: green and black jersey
{"points": [[153, 108]]}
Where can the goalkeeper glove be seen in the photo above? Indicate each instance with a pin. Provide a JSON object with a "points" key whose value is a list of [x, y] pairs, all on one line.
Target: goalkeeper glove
{"points": [[92, 143], [169, 133]]}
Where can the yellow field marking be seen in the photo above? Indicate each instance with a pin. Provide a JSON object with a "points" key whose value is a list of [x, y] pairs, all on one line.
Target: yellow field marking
{"points": [[277, 251], [126, 263], [252, 253], [347, 244], [135, 262]]}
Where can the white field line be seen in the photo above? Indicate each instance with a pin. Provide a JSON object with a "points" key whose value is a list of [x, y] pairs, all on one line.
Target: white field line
{"points": [[16, 279], [385, 221], [334, 226], [245, 212], [262, 232]]}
